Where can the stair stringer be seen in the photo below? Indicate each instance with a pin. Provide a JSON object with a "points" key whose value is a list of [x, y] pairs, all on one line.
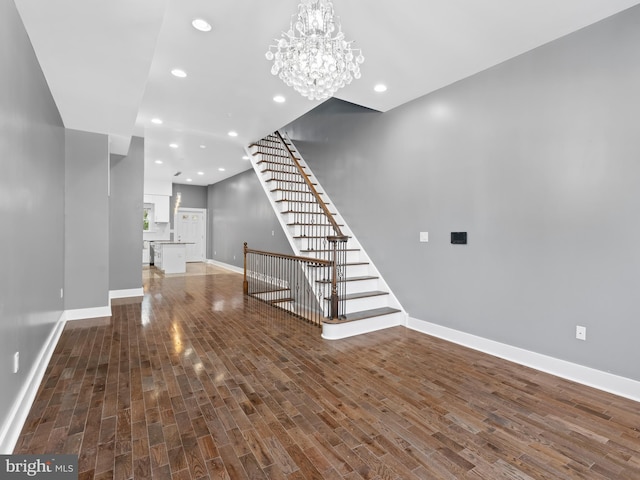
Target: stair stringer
{"points": [[353, 240], [341, 329]]}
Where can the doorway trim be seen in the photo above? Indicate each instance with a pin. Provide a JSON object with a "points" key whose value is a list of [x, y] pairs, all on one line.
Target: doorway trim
{"points": [[204, 216]]}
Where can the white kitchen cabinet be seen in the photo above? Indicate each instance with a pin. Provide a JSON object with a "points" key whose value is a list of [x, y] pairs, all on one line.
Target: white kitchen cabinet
{"points": [[170, 257], [160, 207], [146, 254], [174, 257]]}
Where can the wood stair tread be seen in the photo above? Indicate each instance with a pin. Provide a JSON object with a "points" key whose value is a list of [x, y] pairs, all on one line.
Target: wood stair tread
{"points": [[288, 164], [266, 170], [274, 290], [287, 181], [289, 190], [298, 224], [281, 300], [328, 250], [302, 237], [352, 317], [308, 213], [270, 147], [280, 172], [298, 201], [354, 296], [271, 154], [348, 264], [351, 279]]}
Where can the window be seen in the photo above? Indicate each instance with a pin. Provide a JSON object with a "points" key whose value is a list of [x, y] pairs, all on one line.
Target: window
{"points": [[148, 224]]}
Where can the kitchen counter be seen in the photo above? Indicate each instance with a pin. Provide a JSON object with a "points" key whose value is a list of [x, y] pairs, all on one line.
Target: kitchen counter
{"points": [[168, 242], [170, 257]]}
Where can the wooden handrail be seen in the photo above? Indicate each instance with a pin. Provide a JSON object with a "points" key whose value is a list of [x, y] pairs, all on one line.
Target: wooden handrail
{"points": [[281, 257], [337, 240], [334, 310], [319, 261], [315, 193]]}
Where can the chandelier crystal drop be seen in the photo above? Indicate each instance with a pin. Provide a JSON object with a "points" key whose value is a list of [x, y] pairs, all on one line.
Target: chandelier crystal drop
{"points": [[313, 57]]}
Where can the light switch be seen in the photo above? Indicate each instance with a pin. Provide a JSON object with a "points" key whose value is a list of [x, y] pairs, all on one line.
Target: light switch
{"points": [[424, 237]]}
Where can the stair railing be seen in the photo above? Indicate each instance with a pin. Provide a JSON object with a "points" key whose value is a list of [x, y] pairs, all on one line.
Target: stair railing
{"points": [[281, 281], [312, 189], [337, 241], [317, 227]]}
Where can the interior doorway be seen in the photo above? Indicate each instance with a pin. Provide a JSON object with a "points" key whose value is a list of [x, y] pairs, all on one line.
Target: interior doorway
{"points": [[190, 226]]}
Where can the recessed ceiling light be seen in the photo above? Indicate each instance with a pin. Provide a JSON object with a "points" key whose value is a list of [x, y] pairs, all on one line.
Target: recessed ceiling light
{"points": [[159, 162], [245, 157], [233, 134], [202, 25], [189, 180], [221, 169], [203, 146], [380, 88], [176, 72], [173, 145], [279, 99], [157, 121], [200, 173]]}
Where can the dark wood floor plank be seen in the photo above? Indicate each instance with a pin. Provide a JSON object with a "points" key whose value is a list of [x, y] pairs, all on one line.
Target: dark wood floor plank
{"points": [[199, 382]]}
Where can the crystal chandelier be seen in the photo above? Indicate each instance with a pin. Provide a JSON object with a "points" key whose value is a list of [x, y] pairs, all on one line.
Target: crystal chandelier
{"points": [[313, 57]]}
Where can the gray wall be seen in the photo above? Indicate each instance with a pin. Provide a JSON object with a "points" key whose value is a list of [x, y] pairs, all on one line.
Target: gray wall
{"points": [[31, 209], [238, 212], [86, 282], [191, 196], [125, 218], [537, 159]]}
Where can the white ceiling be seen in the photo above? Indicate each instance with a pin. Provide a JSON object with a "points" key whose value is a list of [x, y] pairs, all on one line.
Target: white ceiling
{"points": [[108, 64]]}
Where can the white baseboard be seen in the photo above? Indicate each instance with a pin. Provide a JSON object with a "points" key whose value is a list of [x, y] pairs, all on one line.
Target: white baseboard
{"points": [[82, 313], [622, 386], [233, 268], [337, 331], [127, 293], [10, 431]]}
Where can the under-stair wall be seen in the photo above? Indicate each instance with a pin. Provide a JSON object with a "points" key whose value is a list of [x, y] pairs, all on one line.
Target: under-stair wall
{"points": [[369, 303]]}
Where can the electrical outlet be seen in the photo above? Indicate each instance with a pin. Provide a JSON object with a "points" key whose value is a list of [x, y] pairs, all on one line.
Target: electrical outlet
{"points": [[62, 293], [273, 233], [16, 362], [581, 332], [424, 237]]}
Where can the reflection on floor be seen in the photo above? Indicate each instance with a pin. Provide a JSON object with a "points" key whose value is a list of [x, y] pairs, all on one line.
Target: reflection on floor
{"points": [[197, 381], [194, 268]]}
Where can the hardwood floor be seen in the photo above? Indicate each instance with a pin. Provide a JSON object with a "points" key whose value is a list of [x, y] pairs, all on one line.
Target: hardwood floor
{"points": [[198, 382]]}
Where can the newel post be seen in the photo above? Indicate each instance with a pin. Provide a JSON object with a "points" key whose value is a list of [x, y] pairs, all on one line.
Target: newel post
{"points": [[245, 284], [335, 298]]}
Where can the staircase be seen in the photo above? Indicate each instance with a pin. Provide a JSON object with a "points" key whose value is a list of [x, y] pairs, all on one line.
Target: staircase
{"points": [[315, 229]]}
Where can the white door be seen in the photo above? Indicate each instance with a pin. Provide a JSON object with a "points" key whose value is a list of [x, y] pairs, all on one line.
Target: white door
{"points": [[190, 228]]}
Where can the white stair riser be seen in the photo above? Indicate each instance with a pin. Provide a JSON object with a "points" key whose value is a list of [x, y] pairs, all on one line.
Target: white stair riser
{"points": [[298, 230], [367, 303], [312, 243], [351, 329], [351, 271], [282, 176], [360, 286], [280, 195], [352, 256], [304, 218]]}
